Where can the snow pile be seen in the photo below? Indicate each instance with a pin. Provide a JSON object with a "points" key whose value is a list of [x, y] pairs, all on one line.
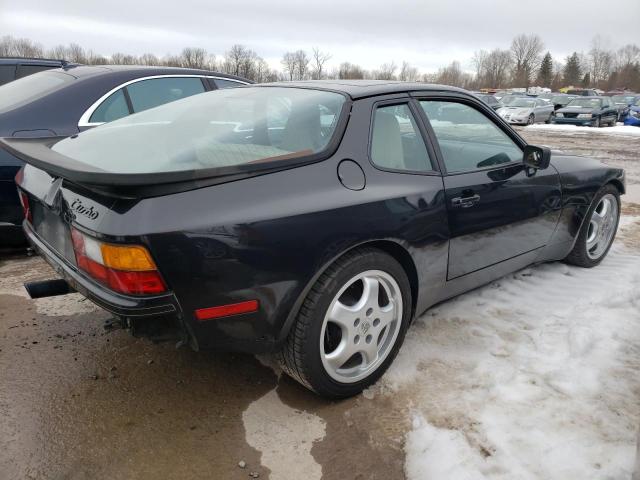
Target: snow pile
{"points": [[534, 376], [624, 130]]}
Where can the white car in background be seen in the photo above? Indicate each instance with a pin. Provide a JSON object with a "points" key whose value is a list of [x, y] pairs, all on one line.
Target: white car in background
{"points": [[527, 111]]}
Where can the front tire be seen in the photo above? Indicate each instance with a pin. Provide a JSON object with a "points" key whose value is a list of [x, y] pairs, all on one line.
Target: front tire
{"points": [[350, 326], [596, 123], [531, 120], [598, 229]]}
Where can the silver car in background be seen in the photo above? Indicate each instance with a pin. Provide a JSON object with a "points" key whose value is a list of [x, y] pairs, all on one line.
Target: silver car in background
{"points": [[527, 111]]}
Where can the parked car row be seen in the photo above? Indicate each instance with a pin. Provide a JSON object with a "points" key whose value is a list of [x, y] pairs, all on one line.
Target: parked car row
{"points": [[576, 107]]}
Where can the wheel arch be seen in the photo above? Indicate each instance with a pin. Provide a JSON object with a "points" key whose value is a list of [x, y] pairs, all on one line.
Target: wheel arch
{"points": [[390, 247]]}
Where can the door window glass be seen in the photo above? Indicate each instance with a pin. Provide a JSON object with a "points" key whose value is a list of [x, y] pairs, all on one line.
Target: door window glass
{"points": [[157, 91], [396, 142], [227, 83], [468, 139], [114, 107]]}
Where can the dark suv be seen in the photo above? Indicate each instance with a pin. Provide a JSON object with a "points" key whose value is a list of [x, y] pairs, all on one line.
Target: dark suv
{"points": [[13, 68]]}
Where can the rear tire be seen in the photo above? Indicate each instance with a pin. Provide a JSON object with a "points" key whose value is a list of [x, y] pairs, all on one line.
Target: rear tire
{"points": [[596, 123], [338, 356], [598, 229]]}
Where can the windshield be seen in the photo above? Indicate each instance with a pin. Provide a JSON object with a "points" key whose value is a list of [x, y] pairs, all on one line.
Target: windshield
{"points": [[561, 99], [622, 99], [585, 102], [30, 88], [224, 128], [508, 99], [523, 103]]}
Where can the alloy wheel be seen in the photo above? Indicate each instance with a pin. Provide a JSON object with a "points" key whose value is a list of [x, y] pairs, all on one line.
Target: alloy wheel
{"points": [[361, 326], [602, 226]]}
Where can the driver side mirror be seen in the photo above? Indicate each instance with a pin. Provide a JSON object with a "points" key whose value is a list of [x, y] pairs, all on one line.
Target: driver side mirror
{"points": [[537, 157]]}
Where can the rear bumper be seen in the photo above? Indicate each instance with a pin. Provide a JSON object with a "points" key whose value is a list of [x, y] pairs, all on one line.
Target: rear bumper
{"points": [[124, 306]]}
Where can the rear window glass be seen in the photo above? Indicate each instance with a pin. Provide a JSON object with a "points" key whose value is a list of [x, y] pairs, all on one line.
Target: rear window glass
{"points": [[31, 88], [223, 128]]}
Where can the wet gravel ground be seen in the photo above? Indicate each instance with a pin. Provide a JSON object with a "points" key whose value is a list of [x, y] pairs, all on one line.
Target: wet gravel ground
{"points": [[77, 402]]}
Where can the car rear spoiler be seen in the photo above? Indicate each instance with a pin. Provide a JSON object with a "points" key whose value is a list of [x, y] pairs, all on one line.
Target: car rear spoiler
{"points": [[38, 152]]}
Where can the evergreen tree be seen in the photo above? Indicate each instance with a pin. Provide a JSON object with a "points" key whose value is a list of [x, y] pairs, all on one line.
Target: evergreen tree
{"points": [[586, 81], [572, 70], [545, 75]]}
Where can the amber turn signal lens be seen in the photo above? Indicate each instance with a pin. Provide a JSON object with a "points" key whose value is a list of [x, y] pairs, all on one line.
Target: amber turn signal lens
{"points": [[132, 258]]}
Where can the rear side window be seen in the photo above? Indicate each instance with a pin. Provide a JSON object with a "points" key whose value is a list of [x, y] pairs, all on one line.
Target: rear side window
{"points": [[467, 138], [396, 142], [113, 108], [158, 91], [25, 70], [227, 83], [246, 127], [31, 88], [7, 73]]}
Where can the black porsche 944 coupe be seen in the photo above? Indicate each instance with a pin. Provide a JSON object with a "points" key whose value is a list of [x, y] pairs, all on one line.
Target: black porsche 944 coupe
{"points": [[312, 219]]}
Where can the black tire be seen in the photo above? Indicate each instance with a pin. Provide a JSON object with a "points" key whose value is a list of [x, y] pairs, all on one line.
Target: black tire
{"points": [[531, 120], [578, 255], [300, 357], [596, 123]]}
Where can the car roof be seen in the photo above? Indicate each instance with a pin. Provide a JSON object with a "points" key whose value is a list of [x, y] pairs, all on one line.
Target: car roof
{"points": [[135, 71], [367, 88]]}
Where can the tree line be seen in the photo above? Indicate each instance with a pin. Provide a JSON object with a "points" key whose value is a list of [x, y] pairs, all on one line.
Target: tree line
{"points": [[525, 63]]}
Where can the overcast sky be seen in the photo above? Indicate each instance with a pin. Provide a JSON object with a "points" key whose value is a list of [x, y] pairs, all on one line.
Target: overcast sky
{"points": [[429, 34]]}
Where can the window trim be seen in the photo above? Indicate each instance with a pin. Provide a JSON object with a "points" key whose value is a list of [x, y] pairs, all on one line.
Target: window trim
{"points": [[403, 100], [84, 119], [477, 105]]}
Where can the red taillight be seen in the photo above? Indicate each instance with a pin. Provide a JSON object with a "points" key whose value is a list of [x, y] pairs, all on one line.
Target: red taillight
{"points": [[227, 310], [142, 279], [26, 208]]}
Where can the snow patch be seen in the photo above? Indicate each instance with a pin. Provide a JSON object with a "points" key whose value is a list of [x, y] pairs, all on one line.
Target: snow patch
{"points": [[624, 130], [533, 376]]}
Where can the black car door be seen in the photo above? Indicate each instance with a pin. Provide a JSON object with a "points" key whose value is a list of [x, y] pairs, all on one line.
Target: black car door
{"points": [[497, 208]]}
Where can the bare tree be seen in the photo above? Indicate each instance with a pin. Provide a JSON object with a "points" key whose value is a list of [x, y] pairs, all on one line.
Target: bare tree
{"points": [[289, 62], [350, 71], [319, 60], [149, 59], [194, 57], [387, 71], [453, 75], [492, 68], [526, 51], [600, 61], [302, 64], [408, 73]]}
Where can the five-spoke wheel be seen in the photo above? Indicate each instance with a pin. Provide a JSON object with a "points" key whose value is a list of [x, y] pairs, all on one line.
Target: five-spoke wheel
{"points": [[350, 325], [361, 326]]}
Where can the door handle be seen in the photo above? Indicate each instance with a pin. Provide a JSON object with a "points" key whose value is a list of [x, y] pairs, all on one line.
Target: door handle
{"points": [[465, 202]]}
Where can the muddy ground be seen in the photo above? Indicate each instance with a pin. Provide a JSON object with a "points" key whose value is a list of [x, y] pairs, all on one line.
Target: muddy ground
{"points": [[77, 402]]}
